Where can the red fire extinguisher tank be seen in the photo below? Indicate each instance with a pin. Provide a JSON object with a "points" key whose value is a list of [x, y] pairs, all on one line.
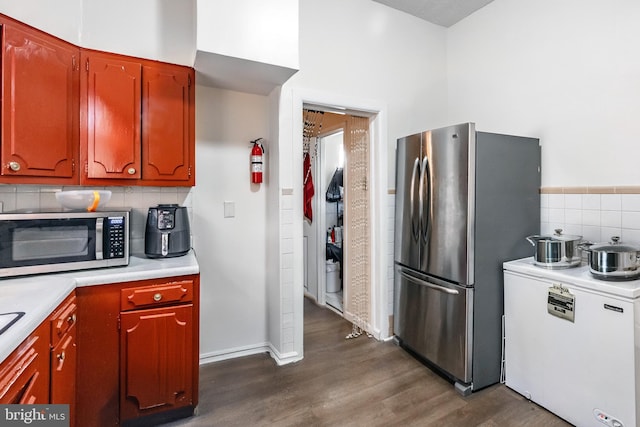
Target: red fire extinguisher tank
{"points": [[257, 167]]}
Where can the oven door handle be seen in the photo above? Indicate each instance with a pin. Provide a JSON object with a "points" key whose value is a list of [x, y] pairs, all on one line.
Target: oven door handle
{"points": [[99, 234]]}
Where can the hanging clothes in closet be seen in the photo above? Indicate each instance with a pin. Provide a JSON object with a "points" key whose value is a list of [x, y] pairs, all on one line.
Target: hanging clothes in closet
{"points": [[308, 187], [310, 132], [333, 192]]}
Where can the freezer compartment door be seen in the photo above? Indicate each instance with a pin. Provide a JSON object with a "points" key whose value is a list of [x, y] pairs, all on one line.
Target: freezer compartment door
{"points": [[408, 199], [434, 319]]}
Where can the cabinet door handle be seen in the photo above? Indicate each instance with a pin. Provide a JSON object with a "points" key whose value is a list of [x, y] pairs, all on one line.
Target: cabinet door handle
{"points": [[131, 171], [72, 319], [157, 297], [14, 166], [61, 356]]}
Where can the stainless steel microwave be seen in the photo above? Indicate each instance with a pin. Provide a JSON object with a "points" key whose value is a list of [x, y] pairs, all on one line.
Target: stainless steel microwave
{"points": [[45, 242]]}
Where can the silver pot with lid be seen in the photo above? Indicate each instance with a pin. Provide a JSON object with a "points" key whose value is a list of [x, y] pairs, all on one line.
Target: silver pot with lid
{"points": [[557, 251], [614, 260]]}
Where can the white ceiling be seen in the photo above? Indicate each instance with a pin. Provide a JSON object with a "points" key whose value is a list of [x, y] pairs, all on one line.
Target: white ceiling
{"points": [[440, 12]]}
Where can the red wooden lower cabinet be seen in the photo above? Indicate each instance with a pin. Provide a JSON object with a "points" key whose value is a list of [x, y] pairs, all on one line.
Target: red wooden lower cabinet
{"points": [[24, 375], [43, 368], [156, 347], [64, 355], [138, 351]]}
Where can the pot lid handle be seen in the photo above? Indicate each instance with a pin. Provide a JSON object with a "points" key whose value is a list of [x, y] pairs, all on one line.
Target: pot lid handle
{"points": [[533, 239], [615, 240], [558, 231]]}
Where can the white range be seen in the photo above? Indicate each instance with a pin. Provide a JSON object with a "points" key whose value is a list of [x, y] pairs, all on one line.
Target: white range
{"points": [[572, 343]]}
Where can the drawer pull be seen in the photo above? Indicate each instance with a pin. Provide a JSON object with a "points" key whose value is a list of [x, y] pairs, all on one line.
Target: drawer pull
{"points": [[72, 319], [163, 293]]}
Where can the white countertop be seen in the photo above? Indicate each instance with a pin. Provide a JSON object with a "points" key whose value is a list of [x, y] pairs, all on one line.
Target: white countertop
{"points": [[37, 296], [578, 276], [139, 268]]}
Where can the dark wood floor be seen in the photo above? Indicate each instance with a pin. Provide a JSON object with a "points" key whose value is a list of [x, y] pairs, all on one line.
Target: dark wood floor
{"points": [[360, 382]]}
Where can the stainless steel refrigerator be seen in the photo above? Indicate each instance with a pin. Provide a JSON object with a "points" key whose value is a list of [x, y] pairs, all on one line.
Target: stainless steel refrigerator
{"points": [[465, 201]]}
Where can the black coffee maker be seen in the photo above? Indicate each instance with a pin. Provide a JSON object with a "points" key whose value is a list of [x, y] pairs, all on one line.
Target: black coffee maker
{"points": [[167, 233]]}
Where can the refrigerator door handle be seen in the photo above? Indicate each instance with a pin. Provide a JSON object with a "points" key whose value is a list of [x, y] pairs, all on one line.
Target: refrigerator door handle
{"points": [[427, 284], [425, 208], [415, 226]]}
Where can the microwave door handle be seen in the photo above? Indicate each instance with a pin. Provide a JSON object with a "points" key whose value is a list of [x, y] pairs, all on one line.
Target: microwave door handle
{"points": [[99, 237], [415, 225]]}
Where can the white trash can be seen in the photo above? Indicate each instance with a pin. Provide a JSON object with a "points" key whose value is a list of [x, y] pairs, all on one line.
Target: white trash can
{"points": [[333, 276]]}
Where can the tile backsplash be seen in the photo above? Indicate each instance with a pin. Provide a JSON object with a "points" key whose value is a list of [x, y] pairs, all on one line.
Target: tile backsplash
{"points": [[596, 217], [137, 199]]}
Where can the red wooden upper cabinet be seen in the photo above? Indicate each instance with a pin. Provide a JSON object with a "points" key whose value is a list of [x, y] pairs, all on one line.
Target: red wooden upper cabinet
{"points": [[167, 124], [137, 121], [40, 106], [110, 119]]}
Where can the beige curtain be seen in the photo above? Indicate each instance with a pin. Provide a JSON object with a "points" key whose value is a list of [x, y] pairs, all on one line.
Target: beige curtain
{"points": [[357, 281]]}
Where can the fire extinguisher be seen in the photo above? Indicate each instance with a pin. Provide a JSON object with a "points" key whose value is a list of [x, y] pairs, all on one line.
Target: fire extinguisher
{"points": [[256, 161]]}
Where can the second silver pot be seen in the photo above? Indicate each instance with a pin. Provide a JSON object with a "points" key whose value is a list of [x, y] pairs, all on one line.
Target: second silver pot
{"points": [[614, 260], [557, 251]]}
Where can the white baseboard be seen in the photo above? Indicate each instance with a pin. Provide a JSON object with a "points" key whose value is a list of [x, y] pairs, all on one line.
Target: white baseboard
{"points": [[284, 358], [233, 353]]}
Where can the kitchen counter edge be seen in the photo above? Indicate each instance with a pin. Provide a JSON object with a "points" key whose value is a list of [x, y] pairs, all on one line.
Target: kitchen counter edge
{"points": [[37, 296], [577, 276]]}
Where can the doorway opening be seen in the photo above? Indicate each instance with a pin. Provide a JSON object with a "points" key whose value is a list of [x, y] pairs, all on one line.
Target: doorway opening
{"points": [[337, 227], [323, 232]]}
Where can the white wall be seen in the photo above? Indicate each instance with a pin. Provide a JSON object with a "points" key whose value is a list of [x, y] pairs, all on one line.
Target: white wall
{"points": [[565, 72], [278, 265], [257, 30], [231, 251], [363, 49], [156, 29], [62, 19]]}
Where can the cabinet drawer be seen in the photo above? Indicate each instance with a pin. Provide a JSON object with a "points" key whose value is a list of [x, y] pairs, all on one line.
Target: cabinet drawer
{"points": [[156, 295], [63, 319]]}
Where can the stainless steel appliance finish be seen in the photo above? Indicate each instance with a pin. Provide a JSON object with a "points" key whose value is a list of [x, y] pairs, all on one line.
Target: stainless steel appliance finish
{"points": [[167, 233], [557, 251], [465, 201], [614, 261], [449, 342], [45, 242]]}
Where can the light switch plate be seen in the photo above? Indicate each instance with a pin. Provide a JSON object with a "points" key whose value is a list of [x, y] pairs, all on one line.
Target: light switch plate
{"points": [[229, 209]]}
